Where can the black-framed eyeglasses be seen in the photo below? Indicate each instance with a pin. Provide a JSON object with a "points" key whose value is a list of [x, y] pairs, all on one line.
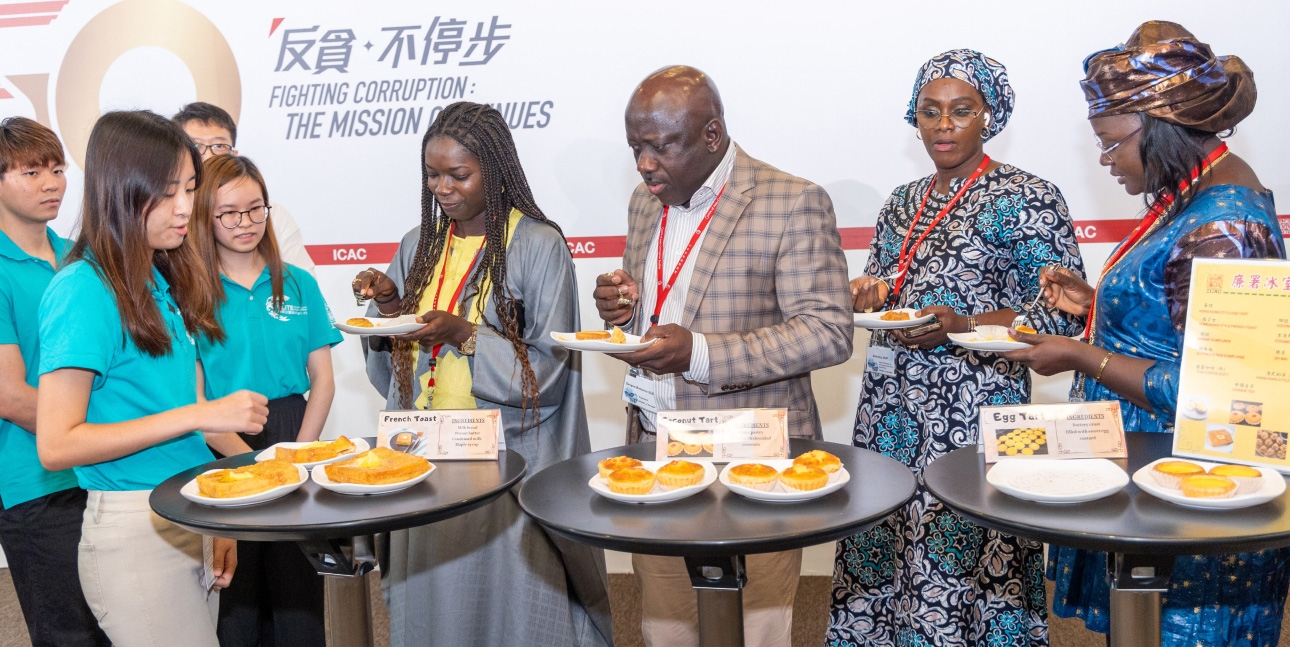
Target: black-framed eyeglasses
{"points": [[233, 219], [218, 149], [1106, 150], [960, 117]]}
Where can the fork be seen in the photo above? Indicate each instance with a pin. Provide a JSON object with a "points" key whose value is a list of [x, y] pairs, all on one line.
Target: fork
{"points": [[1028, 310]]}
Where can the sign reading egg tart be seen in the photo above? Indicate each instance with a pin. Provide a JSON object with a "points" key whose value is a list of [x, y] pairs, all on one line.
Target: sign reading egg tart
{"points": [[821, 459], [678, 474], [753, 475], [802, 477], [611, 465], [248, 480], [379, 466], [315, 451], [631, 480]]}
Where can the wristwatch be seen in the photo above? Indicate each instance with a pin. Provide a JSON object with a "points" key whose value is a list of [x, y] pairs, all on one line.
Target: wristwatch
{"points": [[468, 346]]}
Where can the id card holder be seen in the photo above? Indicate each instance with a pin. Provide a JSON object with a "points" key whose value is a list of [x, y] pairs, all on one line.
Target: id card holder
{"points": [[881, 360], [638, 390]]}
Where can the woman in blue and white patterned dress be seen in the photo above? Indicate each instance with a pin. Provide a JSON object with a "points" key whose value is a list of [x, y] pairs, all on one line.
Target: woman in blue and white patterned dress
{"points": [[926, 576]]}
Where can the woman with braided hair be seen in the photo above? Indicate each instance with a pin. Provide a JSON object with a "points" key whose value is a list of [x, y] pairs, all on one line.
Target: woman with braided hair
{"points": [[490, 276]]}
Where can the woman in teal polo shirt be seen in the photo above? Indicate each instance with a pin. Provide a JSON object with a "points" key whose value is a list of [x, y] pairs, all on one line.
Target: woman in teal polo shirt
{"points": [[279, 338], [118, 397]]}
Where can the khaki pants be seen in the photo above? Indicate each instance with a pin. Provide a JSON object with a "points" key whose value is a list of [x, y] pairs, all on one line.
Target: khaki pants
{"points": [[670, 607], [142, 575]]}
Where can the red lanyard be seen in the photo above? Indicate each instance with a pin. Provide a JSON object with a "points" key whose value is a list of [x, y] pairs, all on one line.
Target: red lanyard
{"points": [[904, 261], [664, 290], [1148, 224], [452, 305]]}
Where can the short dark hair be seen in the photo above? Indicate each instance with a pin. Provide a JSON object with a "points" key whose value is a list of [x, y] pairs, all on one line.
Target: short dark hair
{"points": [[25, 143], [207, 113]]}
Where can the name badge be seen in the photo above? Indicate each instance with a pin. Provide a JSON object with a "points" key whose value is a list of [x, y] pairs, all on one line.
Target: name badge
{"points": [[881, 360], [474, 434], [638, 389], [722, 435], [1071, 430]]}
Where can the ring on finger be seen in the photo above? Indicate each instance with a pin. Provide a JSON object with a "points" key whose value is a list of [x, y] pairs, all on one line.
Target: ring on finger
{"points": [[624, 301]]}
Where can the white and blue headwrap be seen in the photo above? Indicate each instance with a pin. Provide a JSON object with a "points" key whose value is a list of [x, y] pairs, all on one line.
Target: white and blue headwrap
{"points": [[987, 75]]}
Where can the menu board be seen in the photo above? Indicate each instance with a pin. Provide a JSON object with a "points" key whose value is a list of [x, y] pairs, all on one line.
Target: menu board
{"points": [[722, 435], [1234, 391], [1070, 430]]}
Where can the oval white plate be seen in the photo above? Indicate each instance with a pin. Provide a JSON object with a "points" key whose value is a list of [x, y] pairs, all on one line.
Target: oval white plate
{"points": [[1274, 485], [781, 493], [360, 446], [1057, 481], [874, 320], [384, 327], [320, 477], [659, 494], [972, 341], [189, 491], [570, 341]]}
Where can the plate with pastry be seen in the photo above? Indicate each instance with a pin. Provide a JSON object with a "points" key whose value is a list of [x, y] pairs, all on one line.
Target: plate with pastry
{"points": [[1212, 486], [632, 481], [379, 326], [1195, 407], [247, 485], [809, 476], [377, 471], [1220, 438], [889, 319], [602, 341], [989, 339], [1048, 480], [318, 452]]}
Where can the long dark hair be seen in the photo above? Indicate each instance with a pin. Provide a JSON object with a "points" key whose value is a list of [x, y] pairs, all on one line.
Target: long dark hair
{"points": [[482, 130], [130, 162], [218, 171], [1169, 153]]}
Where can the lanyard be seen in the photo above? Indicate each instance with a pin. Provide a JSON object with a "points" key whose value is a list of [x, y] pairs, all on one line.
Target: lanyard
{"points": [[1147, 225], [902, 265], [664, 290], [452, 305]]}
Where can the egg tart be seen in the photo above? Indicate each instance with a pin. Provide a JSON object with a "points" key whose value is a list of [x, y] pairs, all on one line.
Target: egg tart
{"points": [[1170, 473], [821, 459], [1246, 478], [753, 475], [1208, 486], [802, 477], [631, 480], [610, 465], [678, 474]]}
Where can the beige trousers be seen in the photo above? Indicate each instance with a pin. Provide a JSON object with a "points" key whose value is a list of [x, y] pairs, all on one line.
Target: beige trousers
{"points": [[142, 575], [670, 607]]}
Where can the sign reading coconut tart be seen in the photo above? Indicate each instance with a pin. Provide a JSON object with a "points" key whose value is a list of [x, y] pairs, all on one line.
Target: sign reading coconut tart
{"points": [[444, 434], [1232, 403], [723, 435], [1070, 430]]}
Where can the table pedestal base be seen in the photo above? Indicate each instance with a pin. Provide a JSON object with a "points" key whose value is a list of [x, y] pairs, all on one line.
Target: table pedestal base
{"points": [[1136, 584], [347, 606], [719, 583]]}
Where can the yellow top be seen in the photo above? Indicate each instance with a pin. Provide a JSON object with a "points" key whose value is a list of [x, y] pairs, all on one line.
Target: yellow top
{"points": [[453, 384]]}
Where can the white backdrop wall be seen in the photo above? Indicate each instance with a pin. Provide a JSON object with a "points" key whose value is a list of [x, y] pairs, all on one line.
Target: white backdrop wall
{"points": [[816, 88]]}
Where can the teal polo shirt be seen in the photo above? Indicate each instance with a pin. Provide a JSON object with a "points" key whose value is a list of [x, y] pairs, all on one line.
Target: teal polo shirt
{"points": [[267, 350], [23, 279], [80, 327]]}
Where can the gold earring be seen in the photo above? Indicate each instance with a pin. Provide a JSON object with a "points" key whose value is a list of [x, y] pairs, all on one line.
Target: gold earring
{"points": [[918, 134]]}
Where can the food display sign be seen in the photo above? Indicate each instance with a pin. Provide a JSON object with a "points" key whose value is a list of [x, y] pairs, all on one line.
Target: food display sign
{"points": [[723, 435], [1234, 390], [1069, 430], [474, 434]]}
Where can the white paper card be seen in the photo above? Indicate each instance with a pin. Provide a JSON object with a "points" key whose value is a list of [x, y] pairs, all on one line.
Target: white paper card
{"points": [[472, 434], [1071, 430], [723, 435]]}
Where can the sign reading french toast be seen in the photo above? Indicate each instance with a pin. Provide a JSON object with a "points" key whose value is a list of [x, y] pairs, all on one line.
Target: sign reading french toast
{"points": [[1068, 430], [723, 435], [1232, 403], [443, 434]]}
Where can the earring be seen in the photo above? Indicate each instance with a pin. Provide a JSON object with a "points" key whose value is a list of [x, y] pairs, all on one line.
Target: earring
{"points": [[918, 134], [985, 134]]}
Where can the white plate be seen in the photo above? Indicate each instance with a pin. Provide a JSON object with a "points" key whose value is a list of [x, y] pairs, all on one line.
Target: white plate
{"points": [[570, 341], [360, 446], [780, 493], [320, 477], [384, 327], [659, 494], [189, 491], [874, 321], [975, 340], [1189, 409], [1057, 481], [1274, 485]]}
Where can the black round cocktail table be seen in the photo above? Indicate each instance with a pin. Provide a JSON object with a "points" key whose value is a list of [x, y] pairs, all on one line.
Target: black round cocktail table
{"points": [[714, 529], [1142, 533], [319, 520]]}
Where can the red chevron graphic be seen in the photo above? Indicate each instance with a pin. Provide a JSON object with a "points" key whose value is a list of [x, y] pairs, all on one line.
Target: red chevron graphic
{"points": [[274, 26], [29, 14]]}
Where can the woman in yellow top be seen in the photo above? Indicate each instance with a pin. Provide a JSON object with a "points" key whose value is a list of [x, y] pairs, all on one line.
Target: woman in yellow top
{"points": [[490, 277]]}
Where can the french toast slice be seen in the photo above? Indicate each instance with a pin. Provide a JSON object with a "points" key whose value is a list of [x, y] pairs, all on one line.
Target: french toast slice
{"points": [[380, 466], [315, 451], [248, 480]]}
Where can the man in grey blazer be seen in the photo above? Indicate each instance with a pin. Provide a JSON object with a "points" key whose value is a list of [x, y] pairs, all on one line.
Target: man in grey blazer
{"points": [[754, 297]]}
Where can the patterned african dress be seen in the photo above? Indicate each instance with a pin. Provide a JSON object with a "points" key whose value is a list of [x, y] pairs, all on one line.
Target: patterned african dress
{"points": [[926, 576], [1141, 309]]}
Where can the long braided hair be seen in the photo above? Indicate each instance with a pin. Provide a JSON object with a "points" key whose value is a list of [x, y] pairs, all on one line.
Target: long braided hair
{"points": [[482, 130]]}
